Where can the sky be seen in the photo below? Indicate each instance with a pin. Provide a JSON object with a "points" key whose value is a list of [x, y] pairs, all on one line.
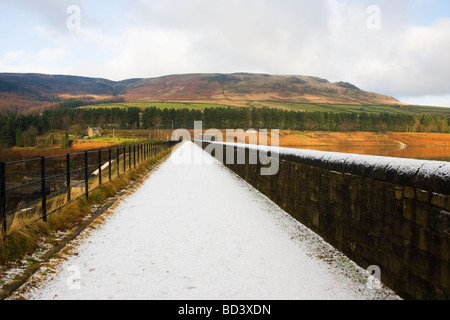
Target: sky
{"points": [[395, 47]]}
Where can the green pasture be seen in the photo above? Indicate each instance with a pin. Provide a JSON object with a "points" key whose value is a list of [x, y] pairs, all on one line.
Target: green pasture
{"points": [[306, 107], [374, 109], [158, 105]]}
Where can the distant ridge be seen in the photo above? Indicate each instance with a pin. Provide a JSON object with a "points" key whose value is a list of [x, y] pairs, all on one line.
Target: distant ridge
{"points": [[28, 92]]}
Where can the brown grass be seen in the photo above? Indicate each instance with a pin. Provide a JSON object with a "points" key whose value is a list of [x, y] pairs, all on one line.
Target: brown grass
{"points": [[15, 154], [80, 146], [298, 139], [295, 139], [422, 139]]}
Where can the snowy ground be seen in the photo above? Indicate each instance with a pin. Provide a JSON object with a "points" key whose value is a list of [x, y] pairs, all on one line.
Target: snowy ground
{"points": [[198, 232]]}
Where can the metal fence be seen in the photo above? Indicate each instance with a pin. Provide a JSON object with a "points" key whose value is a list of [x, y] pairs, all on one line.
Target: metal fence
{"points": [[38, 184]]}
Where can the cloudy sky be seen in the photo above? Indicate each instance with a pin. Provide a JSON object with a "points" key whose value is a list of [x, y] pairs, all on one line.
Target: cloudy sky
{"points": [[394, 47]]}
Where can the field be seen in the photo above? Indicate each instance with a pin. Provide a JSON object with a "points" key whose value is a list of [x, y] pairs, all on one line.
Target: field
{"points": [[298, 139], [159, 105], [15, 154], [303, 107], [342, 108]]}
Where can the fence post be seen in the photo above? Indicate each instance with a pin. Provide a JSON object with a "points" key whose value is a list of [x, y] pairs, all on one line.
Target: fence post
{"points": [[134, 157], [3, 194], [124, 159], [43, 191], [100, 167], [86, 174], [138, 153], [129, 155], [68, 177], [109, 166], [118, 161]]}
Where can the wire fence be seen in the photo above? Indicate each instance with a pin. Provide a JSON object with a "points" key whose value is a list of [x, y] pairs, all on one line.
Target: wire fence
{"points": [[39, 184]]}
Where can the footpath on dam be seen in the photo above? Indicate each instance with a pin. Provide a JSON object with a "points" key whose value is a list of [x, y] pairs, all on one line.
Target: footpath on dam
{"points": [[196, 231]]}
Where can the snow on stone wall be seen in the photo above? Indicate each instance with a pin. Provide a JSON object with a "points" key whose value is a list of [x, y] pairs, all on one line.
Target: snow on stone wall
{"points": [[390, 212]]}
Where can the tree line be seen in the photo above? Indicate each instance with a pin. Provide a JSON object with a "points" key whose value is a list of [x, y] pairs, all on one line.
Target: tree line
{"points": [[270, 118], [21, 130]]}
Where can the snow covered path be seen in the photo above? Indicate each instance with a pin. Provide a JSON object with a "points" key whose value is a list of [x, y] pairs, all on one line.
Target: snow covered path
{"points": [[196, 232]]}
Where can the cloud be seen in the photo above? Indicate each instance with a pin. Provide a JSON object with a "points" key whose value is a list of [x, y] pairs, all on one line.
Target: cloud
{"points": [[438, 101], [412, 61], [326, 38], [51, 12], [158, 38], [220, 36], [423, 56], [149, 51], [12, 57], [46, 60]]}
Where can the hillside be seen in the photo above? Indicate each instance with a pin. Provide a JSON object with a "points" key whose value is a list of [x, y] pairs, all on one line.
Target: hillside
{"points": [[25, 93], [237, 89]]}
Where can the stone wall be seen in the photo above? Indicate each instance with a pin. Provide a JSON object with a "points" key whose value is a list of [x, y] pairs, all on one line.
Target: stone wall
{"points": [[387, 212]]}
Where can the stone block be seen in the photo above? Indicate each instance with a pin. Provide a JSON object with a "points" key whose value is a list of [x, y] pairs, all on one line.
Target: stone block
{"points": [[444, 249], [398, 193], [439, 221], [316, 219], [409, 193], [434, 269], [424, 240], [404, 229], [389, 219], [395, 265], [417, 261], [439, 200], [385, 245], [423, 195], [409, 208], [445, 277], [339, 233], [422, 212]]}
